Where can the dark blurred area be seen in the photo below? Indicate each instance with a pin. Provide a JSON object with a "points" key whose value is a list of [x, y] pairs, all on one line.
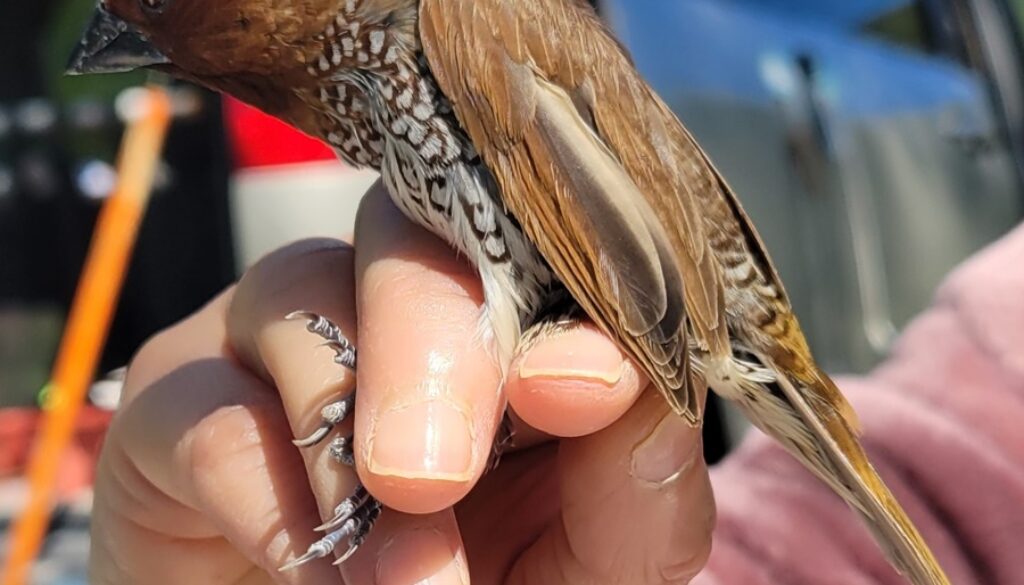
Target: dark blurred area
{"points": [[875, 143], [58, 142], [58, 139]]}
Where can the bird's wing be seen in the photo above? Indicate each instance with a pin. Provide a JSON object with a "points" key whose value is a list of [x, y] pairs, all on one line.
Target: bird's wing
{"points": [[594, 166], [617, 196], [835, 455]]}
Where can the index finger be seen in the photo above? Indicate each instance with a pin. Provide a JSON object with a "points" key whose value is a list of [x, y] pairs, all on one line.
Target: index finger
{"points": [[430, 401]]}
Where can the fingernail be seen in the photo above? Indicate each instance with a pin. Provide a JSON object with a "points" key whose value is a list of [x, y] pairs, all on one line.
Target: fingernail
{"points": [[420, 557], [426, 440], [667, 453], [583, 353]]}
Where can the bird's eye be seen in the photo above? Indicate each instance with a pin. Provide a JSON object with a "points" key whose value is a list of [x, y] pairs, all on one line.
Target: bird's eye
{"points": [[153, 6]]}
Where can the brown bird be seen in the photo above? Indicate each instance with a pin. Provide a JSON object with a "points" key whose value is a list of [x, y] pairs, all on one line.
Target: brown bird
{"points": [[520, 132]]}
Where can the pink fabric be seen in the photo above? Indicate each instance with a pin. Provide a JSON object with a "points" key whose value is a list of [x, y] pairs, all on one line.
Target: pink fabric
{"points": [[943, 420]]}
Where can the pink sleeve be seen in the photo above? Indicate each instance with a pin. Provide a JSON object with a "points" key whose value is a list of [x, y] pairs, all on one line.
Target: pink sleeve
{"points": [[944, 423]]}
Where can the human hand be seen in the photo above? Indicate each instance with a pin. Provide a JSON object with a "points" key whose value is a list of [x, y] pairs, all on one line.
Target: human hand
{"points": [[199, 482]]}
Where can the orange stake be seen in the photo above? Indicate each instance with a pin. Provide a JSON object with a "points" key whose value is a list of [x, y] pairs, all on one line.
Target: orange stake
{"points": [[89, 321]]}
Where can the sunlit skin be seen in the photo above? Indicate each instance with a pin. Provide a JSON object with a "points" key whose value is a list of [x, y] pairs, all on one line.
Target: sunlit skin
{"points": [[199, 482]]}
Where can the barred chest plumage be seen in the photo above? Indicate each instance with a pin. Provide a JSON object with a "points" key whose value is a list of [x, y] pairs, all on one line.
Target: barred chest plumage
{"points": [[381, 108]]}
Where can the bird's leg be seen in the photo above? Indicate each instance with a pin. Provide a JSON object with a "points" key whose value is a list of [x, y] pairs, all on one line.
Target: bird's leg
{"points": [[562, 314], [345, 352], [503, 439], [344, 355], [355, 515], [340, 449]]}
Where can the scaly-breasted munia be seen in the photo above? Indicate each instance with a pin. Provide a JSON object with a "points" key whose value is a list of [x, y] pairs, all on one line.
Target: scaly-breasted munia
{"points": [[520, 132]]}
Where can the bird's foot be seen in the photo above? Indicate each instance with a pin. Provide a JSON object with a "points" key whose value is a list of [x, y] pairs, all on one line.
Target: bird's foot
{"points": [[354, 516], [345, 352], [340, 449], [503, 439], [345, 355], [353, 523]]}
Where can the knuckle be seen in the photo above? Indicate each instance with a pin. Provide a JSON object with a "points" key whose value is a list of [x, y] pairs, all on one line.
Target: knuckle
{"points": [[155, 356], [302, 272], [195, 337], [680, 571], [275, 548], [155, 345], [374, 203], [425, 294], [290, 274], [166, 340], [295, 254], [232, 432], [308, 275], [691, 556]]}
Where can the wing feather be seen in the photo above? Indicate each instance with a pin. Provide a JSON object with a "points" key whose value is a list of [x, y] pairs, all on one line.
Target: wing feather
{"points": [[601, 186], [842, 463]]}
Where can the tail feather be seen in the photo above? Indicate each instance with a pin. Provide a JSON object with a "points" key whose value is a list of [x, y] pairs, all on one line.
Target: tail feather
{"points": [[839, 460]]}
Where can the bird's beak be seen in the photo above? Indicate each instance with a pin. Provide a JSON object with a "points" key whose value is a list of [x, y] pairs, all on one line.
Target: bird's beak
{"points": [[111, 45]]}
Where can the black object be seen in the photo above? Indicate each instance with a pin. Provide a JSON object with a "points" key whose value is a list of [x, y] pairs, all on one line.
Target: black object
{"points": [[184, 253], [111, 45]]}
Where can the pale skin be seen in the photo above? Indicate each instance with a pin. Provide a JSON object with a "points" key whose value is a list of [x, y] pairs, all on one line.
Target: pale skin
{"points": [[199, 482]]}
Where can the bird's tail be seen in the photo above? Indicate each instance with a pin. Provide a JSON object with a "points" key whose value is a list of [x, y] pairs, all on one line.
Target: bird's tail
{"points": [[816, 425]]}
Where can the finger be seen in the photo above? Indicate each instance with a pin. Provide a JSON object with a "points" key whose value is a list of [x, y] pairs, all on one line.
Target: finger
{"points": [[429, 401], [637, 505], [573, 382], [191, 486], [409, 549], [314, 276]]}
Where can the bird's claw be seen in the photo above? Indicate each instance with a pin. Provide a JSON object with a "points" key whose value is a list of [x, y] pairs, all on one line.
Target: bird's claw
{"points": [[314, 437], [345, 355], [330, 416], [317, 550], [355, 528], [354, 516], [346, 509], [344, 351]]}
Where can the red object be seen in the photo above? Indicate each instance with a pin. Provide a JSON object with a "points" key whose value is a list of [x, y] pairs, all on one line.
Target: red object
{"points": [[18, 428], [260, 140]]}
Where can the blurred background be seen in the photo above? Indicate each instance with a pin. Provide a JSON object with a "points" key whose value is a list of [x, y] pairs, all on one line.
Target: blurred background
{"points": [[875, 143]]}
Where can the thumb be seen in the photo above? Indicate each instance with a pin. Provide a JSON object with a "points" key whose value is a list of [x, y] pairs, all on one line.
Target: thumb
{"points": [[637, 505]]}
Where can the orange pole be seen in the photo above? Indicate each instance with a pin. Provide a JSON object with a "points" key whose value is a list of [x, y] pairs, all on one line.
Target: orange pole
{"points": [[89, 322]]}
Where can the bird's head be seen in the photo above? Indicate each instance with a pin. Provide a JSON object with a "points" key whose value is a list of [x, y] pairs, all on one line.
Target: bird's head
{"points": [[255, 50]]}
